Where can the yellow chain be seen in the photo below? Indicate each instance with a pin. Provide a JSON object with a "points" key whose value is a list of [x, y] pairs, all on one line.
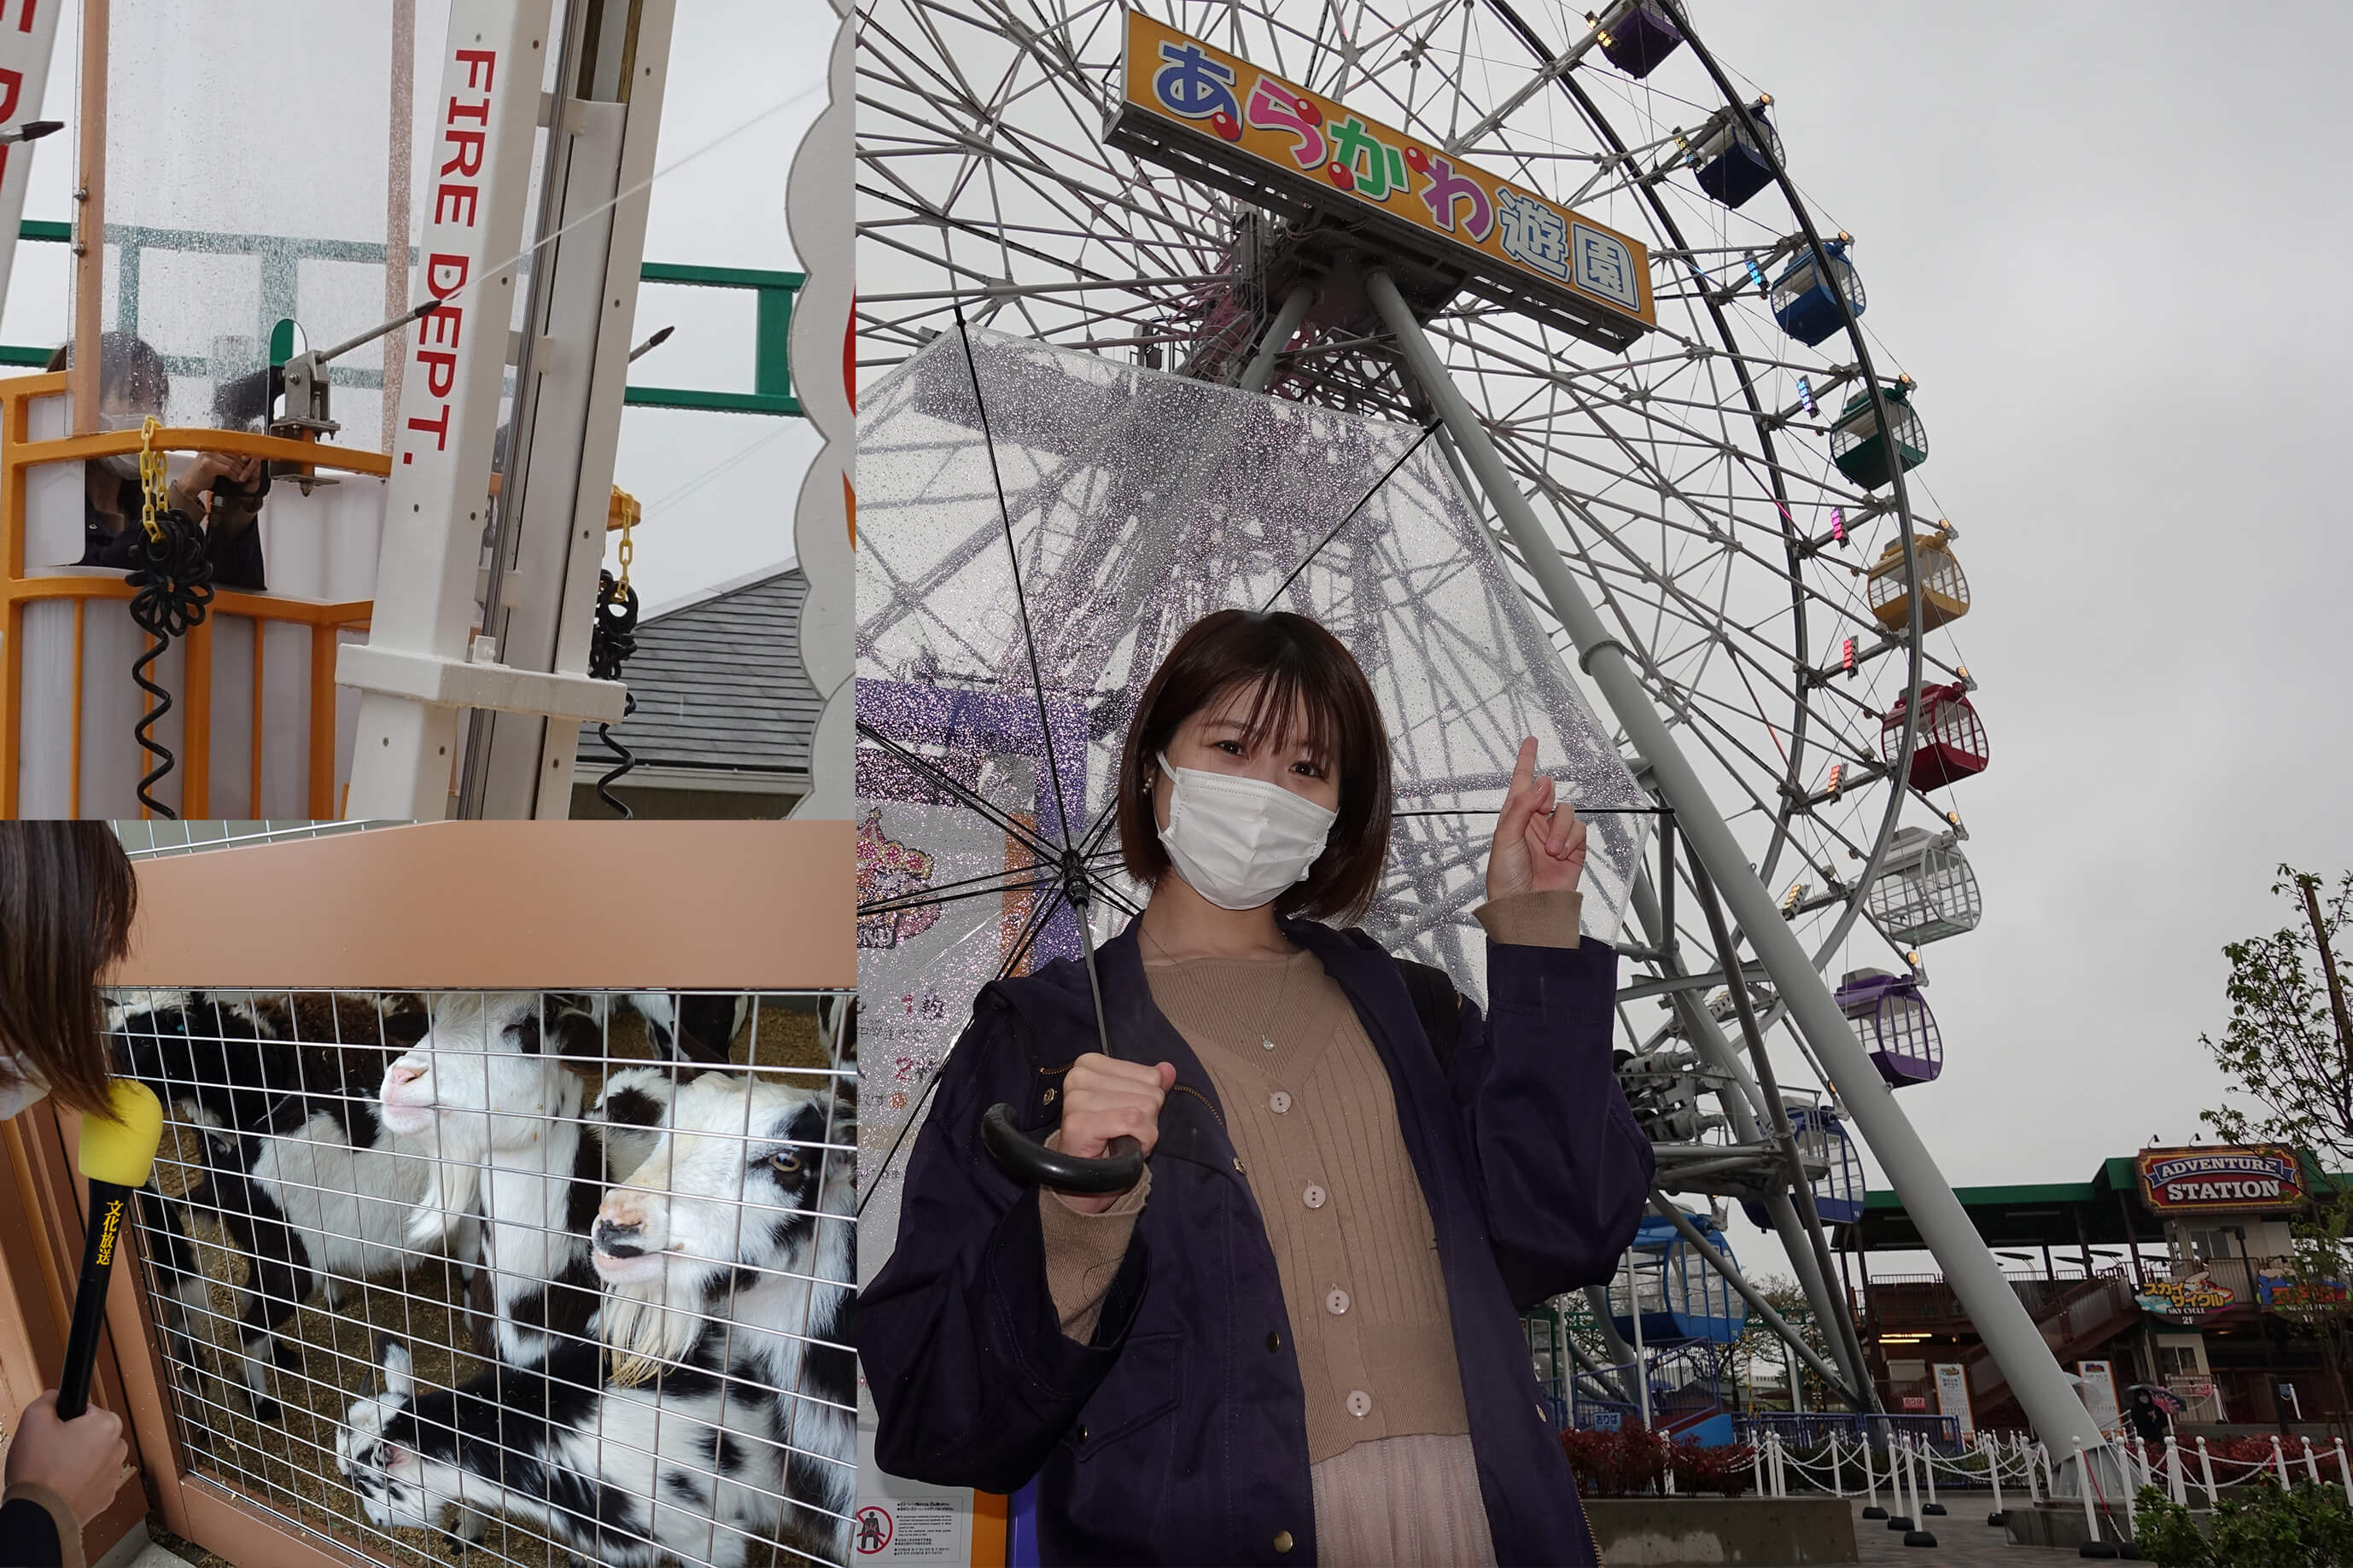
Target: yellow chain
{"points": [[628, 549], [154, 486]]}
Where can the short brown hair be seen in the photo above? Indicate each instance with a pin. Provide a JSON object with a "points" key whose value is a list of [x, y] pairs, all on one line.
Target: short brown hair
{"points": [[1295, 663], [67, 896]]}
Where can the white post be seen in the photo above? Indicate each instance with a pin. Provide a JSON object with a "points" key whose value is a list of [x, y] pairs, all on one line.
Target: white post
{"points": [[2083, 1473], [2310, 1464], [2279, 1458], [2344, 1472], [415, 673], [2206, 1468], [2010, 1334], [1757, 1457], [1870, 1476], [1911, 1484], [1993, 1471], [2176, 1482], [2131, 1517], [1929, 1469]]}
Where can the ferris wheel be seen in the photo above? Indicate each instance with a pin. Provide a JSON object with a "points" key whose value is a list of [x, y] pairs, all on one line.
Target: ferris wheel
{"points": [[1726, 483]]}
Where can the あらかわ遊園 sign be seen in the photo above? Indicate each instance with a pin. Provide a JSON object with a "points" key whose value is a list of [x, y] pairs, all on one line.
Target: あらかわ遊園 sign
{"points": [[1191, 105]]}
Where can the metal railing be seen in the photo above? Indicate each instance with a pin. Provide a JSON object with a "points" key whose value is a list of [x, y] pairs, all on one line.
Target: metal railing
{"points": [[280, 257]]}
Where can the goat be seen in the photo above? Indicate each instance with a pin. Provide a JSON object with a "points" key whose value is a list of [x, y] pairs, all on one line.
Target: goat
{"points": [[690, 1448], [307, 1181], [691, 1024], [487, 1088]]}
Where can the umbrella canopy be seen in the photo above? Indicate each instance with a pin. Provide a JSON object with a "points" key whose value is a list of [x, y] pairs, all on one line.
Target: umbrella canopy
{"points": [[2164, 1398], [1038, 526]]}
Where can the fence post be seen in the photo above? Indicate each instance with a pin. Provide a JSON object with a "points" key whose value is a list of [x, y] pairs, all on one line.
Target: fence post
{"points": [[1929, 1469], [1992, 1450], [1837, 1476], [2344, 1472], [1757, 1457], [2083, 1475], [2279, 1458], [1871, 1478], [2310, 1464], [2174, 1480], [2132, 1519], [2206, 1468]]}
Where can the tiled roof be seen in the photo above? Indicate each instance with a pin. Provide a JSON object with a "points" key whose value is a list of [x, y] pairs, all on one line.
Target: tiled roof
{"points": [[719, 682]]}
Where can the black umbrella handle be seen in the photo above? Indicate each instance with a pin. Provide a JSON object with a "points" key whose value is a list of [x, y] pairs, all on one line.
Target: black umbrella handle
{"points": [[1033, 1165]]}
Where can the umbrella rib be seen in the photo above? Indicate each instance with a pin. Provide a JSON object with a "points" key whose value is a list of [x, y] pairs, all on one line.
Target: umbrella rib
{"points": [[1020, 598], [1036, 842], [953, 892], [1309, 559]]}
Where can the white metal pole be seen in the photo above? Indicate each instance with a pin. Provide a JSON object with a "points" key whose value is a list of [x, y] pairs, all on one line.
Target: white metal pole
{"points": [[2310, 1464], [1870, 1480], [1929, 1469], [2176, 1482], [2206, 1469], [1634, 1301], [2279, 1458], [2001, 1319], [1757, 1457], [1279, 333], [415, 673], [2343, 1473], [1993, 1472], [2090, 1515], [1837, 1476]]}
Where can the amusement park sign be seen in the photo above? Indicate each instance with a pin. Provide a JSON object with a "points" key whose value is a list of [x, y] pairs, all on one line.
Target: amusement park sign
{"points": [[1217, 118], [2195, 1181]]}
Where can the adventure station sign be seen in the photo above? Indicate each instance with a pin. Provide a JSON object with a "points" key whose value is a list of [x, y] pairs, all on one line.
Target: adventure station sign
{"points": [[2197, 1181], [1217, 117]]}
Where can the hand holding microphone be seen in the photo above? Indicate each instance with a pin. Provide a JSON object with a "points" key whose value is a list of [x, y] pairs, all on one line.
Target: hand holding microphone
{"points": [[60, 1443]]}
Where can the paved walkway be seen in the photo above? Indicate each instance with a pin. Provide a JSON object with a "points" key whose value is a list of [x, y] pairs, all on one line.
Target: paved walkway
{"points": [[1962, 1537]]}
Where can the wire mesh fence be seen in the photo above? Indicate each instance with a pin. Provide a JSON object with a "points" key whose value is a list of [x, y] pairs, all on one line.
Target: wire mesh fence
{"points": [[552, 1277]]}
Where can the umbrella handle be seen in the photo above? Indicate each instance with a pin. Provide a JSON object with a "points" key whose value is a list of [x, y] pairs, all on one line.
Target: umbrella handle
{"points": [[1033, 1165]]}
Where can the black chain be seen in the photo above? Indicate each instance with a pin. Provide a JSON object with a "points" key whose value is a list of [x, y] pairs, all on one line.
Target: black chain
{"points": [[611, 640], [172, 589]]}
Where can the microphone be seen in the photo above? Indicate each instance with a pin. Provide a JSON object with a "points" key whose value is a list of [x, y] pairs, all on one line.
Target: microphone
{"points": [[116, 1157]]}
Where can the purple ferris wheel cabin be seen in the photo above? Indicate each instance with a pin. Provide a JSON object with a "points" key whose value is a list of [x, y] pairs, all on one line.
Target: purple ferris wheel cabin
{"points": [[1895, 1025]]}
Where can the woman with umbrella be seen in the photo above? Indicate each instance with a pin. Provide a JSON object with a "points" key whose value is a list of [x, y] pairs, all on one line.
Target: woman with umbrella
{"points": [[1295, 1338]]}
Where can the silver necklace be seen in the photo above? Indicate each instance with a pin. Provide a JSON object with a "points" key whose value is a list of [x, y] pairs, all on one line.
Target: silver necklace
{"points": [[1265, 1031]]}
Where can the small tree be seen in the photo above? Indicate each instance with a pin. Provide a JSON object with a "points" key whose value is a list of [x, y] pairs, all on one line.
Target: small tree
{"points": [[2288, 1049]]}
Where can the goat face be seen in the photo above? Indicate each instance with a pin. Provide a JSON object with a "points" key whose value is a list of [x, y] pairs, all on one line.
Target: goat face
{"points": [[739, 1173], [371, 1452], [488, 1073]]}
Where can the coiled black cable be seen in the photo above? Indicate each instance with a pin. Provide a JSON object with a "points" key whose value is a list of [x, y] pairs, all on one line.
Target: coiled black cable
{"points": [[611, 640], [172, 589]]}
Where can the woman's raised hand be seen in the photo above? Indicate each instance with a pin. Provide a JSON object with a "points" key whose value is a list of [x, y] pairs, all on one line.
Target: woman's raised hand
{"points": [[1537, 849], [1102, 1099]]}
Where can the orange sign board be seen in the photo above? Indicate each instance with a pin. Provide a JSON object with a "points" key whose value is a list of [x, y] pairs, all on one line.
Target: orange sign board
{"points": [[1226, 112]]}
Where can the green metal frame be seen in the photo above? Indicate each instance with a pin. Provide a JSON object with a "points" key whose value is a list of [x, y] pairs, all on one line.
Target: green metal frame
{"points": [[282, 258]]}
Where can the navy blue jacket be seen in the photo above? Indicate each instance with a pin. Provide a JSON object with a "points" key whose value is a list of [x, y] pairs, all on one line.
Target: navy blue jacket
{"points": [[1179, 1435]]}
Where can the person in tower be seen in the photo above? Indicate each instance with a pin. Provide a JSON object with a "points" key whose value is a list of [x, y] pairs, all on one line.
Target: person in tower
{"points": [[1296, 1339]]}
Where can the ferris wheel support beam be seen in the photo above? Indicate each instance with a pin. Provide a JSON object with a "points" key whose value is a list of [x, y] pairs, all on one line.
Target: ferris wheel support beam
{"points": [[2008, 1333], [1278, 333], [1744, 1106]]}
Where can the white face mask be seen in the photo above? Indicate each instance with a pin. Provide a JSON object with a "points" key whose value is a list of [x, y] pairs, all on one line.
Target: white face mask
{"points": [[21, 1086], [1240, 842]]}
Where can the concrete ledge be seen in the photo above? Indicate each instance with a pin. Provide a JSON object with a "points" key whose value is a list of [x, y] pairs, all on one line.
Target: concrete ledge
{"points": [[1671, 1533]]}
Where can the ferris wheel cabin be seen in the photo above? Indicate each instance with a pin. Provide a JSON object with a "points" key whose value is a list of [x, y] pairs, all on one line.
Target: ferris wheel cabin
{"points": [[1925, 891], [1896, 1026], [1824, 1142], [1638, 40], [1945, 591], [1952, 741], [1732, 165], [1860, 450], [1680, 1296], [1805, 302]]}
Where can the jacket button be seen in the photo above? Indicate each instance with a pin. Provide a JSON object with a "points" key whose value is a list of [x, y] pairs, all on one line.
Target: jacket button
{"points": [[1360, 1403], [1313, 1196], [1282, 1541], [1274, 1342], [1336, 1302], [1082, 1436], [1279, 1102]]}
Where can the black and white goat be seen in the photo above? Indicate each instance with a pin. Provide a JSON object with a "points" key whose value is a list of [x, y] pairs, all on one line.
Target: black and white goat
{"points": [[307, 1181], [728, 1419]]}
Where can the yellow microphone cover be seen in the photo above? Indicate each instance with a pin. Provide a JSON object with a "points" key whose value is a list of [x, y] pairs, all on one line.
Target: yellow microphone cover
{"points": [[123, 1150]]}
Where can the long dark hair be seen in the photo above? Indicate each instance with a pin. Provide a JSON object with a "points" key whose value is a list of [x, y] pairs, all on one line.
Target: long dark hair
{"points": [[1293, 663], [67, 896]]}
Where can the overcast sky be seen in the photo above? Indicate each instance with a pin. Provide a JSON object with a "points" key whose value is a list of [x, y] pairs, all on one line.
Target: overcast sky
{"points": [[2108, 241], [718, 488]]}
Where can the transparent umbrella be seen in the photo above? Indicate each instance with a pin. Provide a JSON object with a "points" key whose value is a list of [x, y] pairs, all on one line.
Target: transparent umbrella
{"points": [[1038, 526]]}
